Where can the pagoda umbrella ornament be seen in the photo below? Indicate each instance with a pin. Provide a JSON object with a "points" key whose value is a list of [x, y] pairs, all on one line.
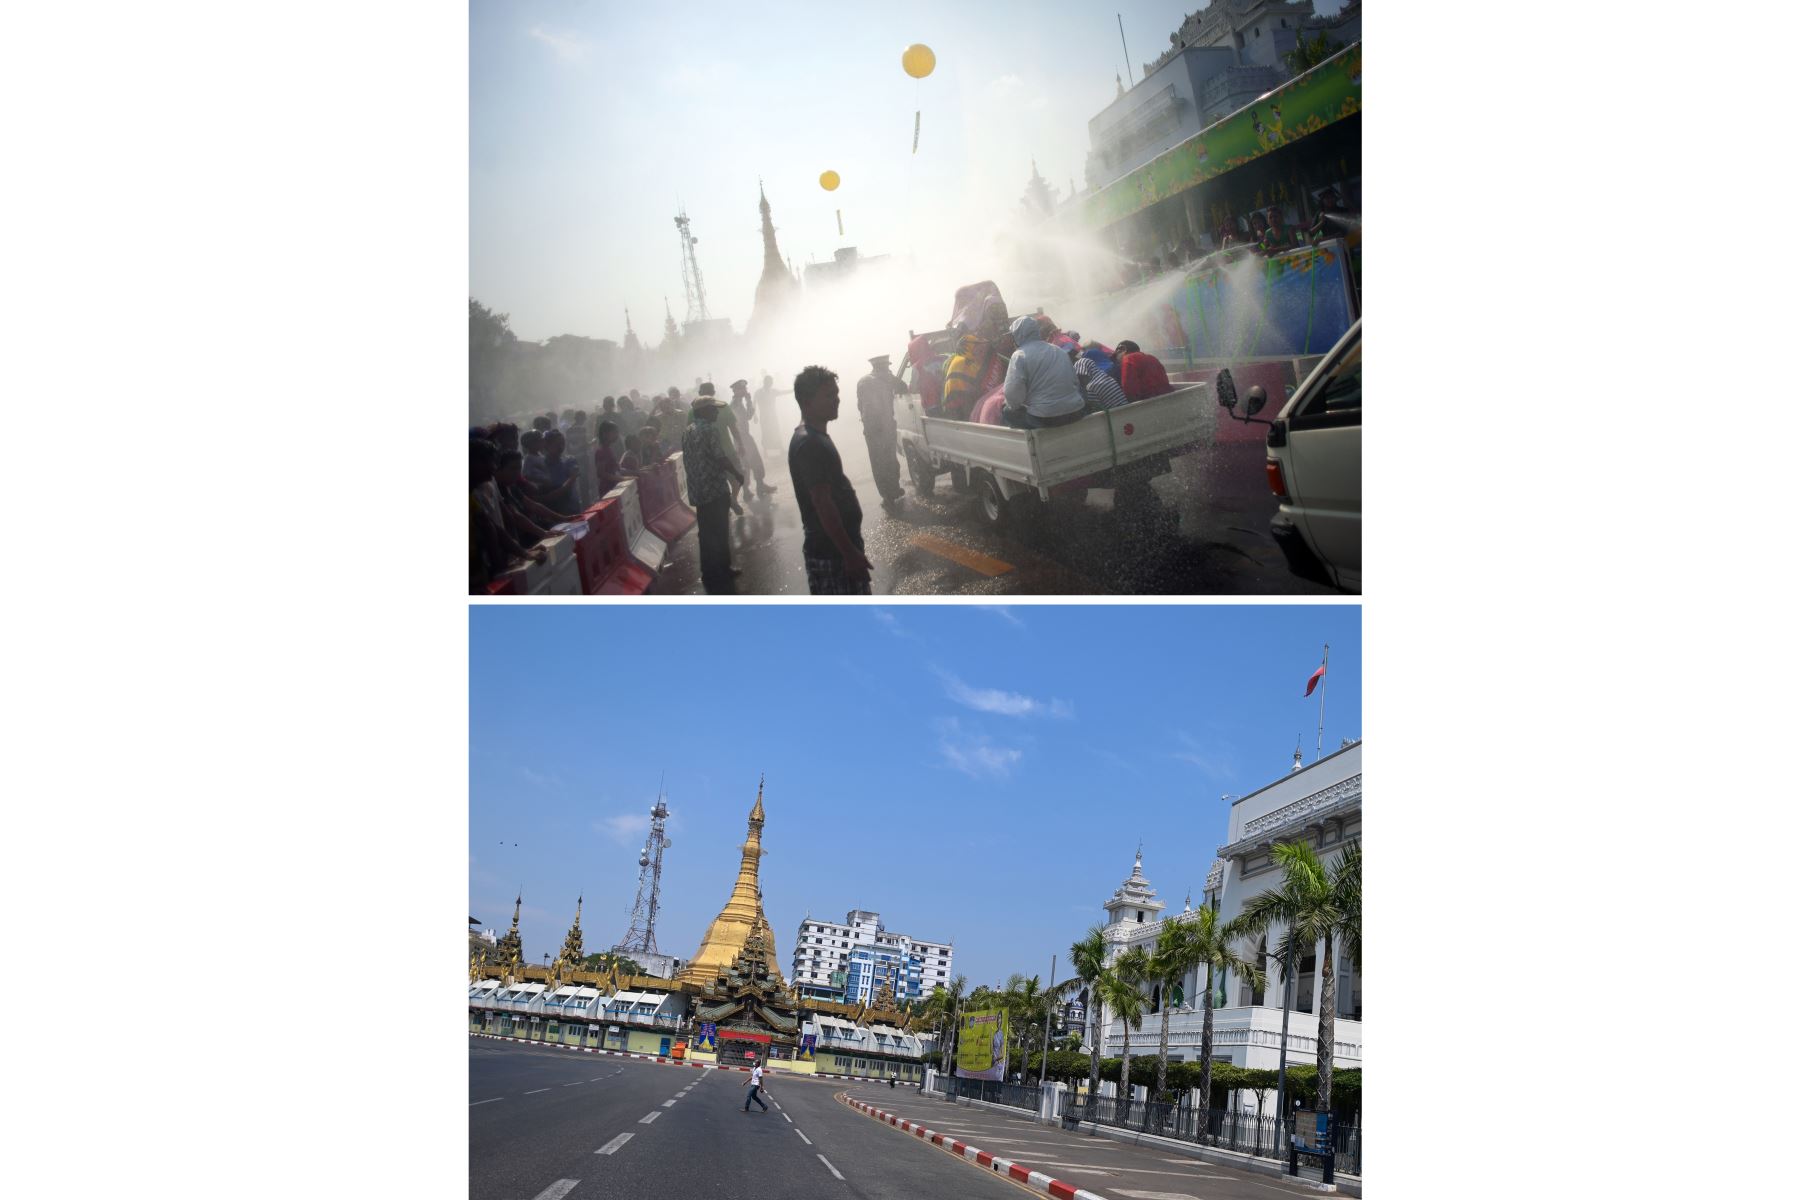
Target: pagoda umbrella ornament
{"points": [[918, 61]]}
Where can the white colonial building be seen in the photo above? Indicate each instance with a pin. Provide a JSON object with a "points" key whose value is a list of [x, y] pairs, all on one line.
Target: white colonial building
{"points": [[1320, 804]]}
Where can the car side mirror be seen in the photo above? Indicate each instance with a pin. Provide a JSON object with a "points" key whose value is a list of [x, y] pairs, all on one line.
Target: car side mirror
{"points": [[1254, 400], [1288, 390], [1226, 389]]}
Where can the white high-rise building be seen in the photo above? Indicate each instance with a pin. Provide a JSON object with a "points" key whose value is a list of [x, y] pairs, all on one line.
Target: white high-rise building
{"points": [[850, 961]]}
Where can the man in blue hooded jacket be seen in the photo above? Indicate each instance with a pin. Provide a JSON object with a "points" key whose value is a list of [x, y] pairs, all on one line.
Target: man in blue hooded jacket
{"points": [[1040, 381]]}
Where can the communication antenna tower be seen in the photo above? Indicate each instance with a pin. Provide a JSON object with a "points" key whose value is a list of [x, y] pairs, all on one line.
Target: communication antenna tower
{"points": [[641, 937], [690, 270]]}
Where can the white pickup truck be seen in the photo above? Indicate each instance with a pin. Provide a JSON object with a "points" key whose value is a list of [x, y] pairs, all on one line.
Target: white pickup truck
{"points": [[1010, 469]]}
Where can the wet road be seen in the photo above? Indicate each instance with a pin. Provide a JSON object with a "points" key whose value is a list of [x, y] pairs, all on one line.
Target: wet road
{"points": [[1212, 540]]}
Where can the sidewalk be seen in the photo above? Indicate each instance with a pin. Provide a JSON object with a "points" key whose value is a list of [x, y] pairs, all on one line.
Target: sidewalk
{"points": [[1096, 1164]]}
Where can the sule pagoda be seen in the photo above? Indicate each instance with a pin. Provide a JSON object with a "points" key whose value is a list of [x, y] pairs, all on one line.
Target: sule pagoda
{"points": [[729, 1003]]}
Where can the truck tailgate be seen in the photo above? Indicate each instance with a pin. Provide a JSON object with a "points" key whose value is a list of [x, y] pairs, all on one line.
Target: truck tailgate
{"points": [[1096, 443], [1124, 435]]}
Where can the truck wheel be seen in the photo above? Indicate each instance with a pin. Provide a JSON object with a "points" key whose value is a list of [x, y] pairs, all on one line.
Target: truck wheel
{"points": [[924, 480], [989, 499]]}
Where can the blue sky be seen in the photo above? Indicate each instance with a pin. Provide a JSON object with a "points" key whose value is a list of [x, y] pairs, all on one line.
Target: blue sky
{"points": [[588, 122], [976, 774]]}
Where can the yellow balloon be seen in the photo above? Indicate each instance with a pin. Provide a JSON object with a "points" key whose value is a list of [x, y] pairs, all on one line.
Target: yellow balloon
{"points": [[829, 181], [918, 60]]}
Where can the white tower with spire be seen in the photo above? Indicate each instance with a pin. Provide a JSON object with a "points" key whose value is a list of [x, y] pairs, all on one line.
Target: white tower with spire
{"points": [[1133, 904]]}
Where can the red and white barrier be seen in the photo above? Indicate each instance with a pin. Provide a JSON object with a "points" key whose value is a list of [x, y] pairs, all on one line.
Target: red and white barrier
{"points": [[1017, 1172], [646, 547], [664, 513], [557, 575], [604, 556]]}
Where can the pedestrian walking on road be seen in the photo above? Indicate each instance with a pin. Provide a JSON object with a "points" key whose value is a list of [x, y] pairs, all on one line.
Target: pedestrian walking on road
{"points": [[875, 401], [744, 409], [754, 1083], [829, 511], [710, 471]]}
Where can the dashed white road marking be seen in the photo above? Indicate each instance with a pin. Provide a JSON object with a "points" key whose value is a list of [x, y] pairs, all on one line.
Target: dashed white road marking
{"points": [[651, 1117], [535, 1091], [557, 1190], [670, 1103], [803, 1137], [787, 1118], [613, 1145], [822, 1159], [487, 1101], [577, 1083]]}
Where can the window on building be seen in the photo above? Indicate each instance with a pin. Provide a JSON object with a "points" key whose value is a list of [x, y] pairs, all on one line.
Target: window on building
{"points": [[1305, 974], [1249, 993]]}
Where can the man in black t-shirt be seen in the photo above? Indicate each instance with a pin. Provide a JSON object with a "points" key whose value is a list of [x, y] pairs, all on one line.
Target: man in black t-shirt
{"points": [[829, 511]]}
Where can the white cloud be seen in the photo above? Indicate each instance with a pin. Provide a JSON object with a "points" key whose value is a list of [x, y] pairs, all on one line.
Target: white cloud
{"points": [[1209, 760], [975, 754], [627, 829], [534, 778], [1004, 613], [1004, 703], [566, 46]]}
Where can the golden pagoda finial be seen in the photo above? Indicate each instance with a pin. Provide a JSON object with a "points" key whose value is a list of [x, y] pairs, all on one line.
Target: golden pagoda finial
{"points": [[743, 913]]}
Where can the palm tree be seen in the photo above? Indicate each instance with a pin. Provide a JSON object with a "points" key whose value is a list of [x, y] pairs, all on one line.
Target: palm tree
{"points": [[1024, 1002], [1170, 961], [1211, 941], [1088, 960], [942, 1009], [1313, 904], [1129, 970]]}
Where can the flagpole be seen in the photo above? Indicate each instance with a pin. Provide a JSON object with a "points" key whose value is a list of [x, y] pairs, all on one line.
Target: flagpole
{"points": [[1324, 678]]}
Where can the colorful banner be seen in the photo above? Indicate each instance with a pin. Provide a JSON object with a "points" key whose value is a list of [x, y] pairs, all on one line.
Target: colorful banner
{"points": [[709, 1036], [808, 1042], [1329, 92], [981, 1045]]}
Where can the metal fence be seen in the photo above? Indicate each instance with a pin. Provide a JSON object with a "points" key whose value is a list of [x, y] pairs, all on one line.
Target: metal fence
{"points": [[1245, 1133], [1013, 1095]]}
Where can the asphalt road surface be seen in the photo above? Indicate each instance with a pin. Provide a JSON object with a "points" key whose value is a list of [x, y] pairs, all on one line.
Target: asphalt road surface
{"points": [[545, 1124], [1213, 539]]}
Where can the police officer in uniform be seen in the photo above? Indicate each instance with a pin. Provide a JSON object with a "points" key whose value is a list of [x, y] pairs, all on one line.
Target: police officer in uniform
{"points": [[875, 394]]}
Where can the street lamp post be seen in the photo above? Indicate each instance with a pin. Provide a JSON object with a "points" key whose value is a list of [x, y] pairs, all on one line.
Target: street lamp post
{"points": [[1287, 996], [1049, 1008]]}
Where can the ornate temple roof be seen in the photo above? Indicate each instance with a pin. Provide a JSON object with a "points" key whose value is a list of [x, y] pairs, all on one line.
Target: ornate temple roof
{"points": [[1136, 891]]}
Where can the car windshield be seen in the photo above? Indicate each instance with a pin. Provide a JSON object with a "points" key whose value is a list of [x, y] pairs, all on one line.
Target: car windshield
{"points": [[1343, 387]]}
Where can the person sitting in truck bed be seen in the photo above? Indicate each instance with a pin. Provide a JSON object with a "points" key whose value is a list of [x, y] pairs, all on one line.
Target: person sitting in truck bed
{"points": [[1040, 381], [1140, 375], [963, 375], [1099, 389]]}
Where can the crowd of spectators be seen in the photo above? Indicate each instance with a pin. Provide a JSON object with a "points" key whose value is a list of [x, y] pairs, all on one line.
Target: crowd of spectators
{"points": [[533, 472]]}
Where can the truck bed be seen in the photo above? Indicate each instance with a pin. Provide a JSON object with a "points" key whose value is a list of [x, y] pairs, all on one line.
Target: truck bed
{"points": [[1044, 458]]}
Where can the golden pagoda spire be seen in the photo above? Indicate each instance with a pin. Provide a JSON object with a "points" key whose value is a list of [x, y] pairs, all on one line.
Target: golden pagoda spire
{"points": [[570, 957], [743, 912]]}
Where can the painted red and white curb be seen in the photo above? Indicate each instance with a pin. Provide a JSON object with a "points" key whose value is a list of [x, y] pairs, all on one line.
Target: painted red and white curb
{"points": [[1003, 1166], [670, 1060]]}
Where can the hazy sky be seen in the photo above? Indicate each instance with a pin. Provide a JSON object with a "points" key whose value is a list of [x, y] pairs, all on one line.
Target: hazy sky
{"points": [[589, 123], [976, 774]]}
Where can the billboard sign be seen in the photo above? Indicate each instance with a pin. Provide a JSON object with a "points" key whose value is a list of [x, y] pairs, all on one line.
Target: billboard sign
{"points": [[981, 1045]]}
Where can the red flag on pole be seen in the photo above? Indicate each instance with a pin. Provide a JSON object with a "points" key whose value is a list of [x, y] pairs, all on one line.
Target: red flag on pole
{"points": [[1313, 682]]}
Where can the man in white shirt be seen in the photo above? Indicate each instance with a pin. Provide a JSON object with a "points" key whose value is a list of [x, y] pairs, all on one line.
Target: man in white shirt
{"points": [[754, 1083]]}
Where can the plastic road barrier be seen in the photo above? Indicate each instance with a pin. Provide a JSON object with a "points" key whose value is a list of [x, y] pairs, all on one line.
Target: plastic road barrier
{"points": [[557, 575], [603, 556], [664, 513], [646, 547]]}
